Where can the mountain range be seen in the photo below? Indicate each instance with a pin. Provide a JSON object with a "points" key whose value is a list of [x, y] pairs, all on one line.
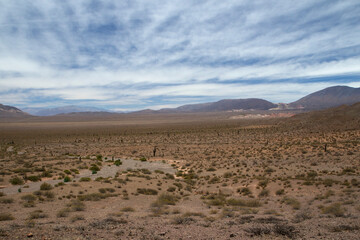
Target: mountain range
{"points": [[326, 98]]}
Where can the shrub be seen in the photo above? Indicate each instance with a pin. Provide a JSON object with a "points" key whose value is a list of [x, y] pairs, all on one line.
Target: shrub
{"points": [[46, 187], [244, 191], [77, 218], [76, 205], [292, 202], [67, 172], [128, 209], [94, 168], [264, 193], [6, 200], [143, 159], [118, 162], [29, 198], [67, 179], [334, 209], [33, 178], [280, 192], [16, 181], [167, 199], [147, 191], [85, 179], [6, 217], [63, 213], [243, 203], [37, 214], [95, 196]]}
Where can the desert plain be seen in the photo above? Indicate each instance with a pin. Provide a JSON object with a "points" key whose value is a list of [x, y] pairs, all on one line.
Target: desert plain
{"points": [[182, 176]]}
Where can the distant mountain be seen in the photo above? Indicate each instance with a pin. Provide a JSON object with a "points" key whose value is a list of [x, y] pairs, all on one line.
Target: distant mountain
{"points": [[328, 97], [11, 112], [224, 105], [62, 110]]}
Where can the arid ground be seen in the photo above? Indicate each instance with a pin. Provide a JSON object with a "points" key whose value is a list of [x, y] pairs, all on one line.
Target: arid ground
{"points": [[181, 177]]}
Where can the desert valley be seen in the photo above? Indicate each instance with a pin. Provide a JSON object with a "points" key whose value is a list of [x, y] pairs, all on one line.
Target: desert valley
{"points": [[182, 175]]}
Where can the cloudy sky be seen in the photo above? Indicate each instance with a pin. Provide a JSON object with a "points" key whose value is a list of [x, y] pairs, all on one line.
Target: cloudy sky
{"points": [[128, 55]]}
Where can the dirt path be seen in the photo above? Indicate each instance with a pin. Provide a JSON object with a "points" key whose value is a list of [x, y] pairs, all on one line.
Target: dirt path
{"points": [[105, 172]]}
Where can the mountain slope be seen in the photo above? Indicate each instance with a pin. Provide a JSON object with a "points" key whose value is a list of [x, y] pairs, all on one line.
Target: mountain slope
{"points": [[328, 97], [61, 110], [341, 117], [224, 105], [11, 112]]}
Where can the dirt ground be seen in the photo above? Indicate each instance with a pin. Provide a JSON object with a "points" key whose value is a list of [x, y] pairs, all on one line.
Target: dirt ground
{"points": [[219, 178]]}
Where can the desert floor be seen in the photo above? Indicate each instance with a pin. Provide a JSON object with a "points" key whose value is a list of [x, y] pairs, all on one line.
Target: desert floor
{"points": [[215, 178]]}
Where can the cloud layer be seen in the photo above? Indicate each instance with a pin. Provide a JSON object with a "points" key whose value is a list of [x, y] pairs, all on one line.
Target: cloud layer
{"points": [[151, 54]]}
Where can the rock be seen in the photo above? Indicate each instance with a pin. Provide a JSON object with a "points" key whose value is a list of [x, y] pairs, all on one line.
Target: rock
{"points": [[30, 235]]}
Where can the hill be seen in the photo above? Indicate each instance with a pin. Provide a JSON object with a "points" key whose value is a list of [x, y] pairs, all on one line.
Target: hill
{"points": [[11, 112], [328, 97], [224, 105]]}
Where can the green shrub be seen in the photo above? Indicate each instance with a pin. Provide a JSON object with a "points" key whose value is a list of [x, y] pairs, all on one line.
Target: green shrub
{"points": [[16, 181], [67, 179], [33, 178], [147, 191], [46, 186], [118, 162], [85, 179]]}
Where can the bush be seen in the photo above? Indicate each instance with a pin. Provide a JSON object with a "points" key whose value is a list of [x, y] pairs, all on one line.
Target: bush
{"points": [[6, 217], [34, 178], [118, 162], [334, 209], [16, 181], [244, 191], [264, 193], [94, 168], [37, 214], [63, 213], [147, 191], [85, 179], [29, 198], [143, 159], [67, 179], [6, 200], [76, 205], [243, 203], [128, 209], [280, 192], [46, 187], [95, 196], [292, 202], [167, 199]]}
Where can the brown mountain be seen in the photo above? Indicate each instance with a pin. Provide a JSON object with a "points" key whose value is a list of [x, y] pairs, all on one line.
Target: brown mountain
{"points": [[328, 97], [11, 112], [224, 105]]}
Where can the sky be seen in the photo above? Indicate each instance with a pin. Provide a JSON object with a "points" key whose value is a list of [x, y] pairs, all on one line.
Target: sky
{"points": [[131, 55]]}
